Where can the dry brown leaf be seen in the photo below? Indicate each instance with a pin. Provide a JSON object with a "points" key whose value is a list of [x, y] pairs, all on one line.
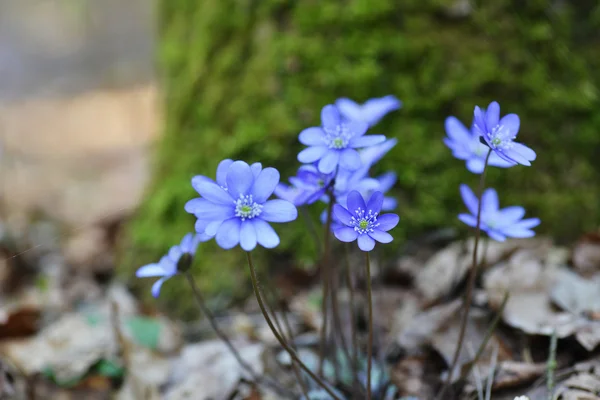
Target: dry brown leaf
{"points": [[409, 377], [21, 322], [442, 272], [514, 373], [586, 254]]}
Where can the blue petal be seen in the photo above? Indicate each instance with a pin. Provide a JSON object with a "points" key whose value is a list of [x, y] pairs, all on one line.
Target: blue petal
{"points": [[349, 159], [496, 161], [513, 155], [186, 243], [313, 136], [211, 191], [469, 199], [479, 121], [492, 115], [157, 285], [381, 236], [213, 227], [201, 225], [279, 211], [365, 242], [388, 221], [371, 155], [342, 214], [265, 184], [489, 201], [475, 165], [345, 234], [150, 270], [375, 202], [512, 214], [511, 122], [366, 141], [518, 233], [527, 223], [239, 179], [247, 236], [256, 168], [222, 169], [265, 234], [386, 181], [524, 151], [495, 235], [468, 219], [349, 109], [375, 109], [204, 209], [330, 117], [175, 254], [312, 154], [228, 235], [355, 201], [329, 162], [358, 128], [389, 204], [457, 131]]}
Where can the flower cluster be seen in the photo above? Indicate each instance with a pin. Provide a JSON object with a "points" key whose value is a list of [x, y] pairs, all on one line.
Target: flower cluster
{"points": [[491, 142], [337, 162], [235, 208]]}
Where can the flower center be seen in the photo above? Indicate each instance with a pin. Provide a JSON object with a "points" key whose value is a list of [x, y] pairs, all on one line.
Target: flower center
{"points": [[337, 138], [364, 222], [501, 138], [246, 207]]}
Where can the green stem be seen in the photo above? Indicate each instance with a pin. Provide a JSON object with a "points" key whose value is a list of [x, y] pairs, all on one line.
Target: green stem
{"points": [[281, 341], [470, 284], [221, 335], [370, 342]]}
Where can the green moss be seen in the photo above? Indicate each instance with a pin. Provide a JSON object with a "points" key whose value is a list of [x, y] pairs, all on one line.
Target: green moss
{"points": [[242, 78]]}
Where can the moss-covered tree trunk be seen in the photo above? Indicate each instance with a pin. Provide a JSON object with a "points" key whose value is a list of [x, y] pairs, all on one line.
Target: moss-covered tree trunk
{"points": [[242, 78]]}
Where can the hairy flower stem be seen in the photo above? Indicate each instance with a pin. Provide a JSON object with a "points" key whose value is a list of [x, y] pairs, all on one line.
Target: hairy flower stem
{"points": [[551, 365], [221, 335], [280, 339], [353, 327], [311, 228], [287, 336], [471, 283], [370, 342], [488, 335], [325, 275]]}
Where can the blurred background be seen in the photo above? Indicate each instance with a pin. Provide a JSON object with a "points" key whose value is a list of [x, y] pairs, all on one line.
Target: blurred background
{"points": [[108, 108]]}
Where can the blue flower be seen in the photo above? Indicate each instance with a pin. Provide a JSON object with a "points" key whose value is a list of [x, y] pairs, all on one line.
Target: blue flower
{"points": [[499, 134], [465, 145], [370, 112], [371, 155], [178, 259], [335, 142], [497, 223], [362, 222], [308, 186], [235, 209]]}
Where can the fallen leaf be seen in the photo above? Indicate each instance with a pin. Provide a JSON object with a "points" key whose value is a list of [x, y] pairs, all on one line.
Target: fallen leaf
{"points": [[20, 322], [586, 254]]}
